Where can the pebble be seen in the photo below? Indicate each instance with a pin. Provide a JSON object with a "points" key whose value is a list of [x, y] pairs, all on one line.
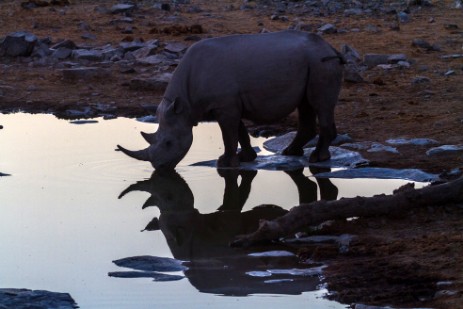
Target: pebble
{"points": [[444, 149], [412, 141]]}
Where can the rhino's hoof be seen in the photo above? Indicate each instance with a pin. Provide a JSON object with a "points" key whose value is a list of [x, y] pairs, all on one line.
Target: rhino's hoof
{"points": [[319, 156], [247, 156], [228, 161], [291, 151]]}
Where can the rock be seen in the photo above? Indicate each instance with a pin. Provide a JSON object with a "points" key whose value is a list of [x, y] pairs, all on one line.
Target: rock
{"points": [[84, 121], [18, 44], [351, 54], [327, 29], [122, 8], [420, 43], [372, 60], [23, 298], [370, 147], [158, 83], [156, 276], [403, 17], [382, 173], [148, 119], [396, 58], [176, 47], [412, 141], [339, 158], [65, 43], [131, 46], [41, 50], [352, 74], [452, 56], [61, 53], [87, 54], [353, 12], [279, 143], [88, 36], [145, 51], [421, 80], [153, 60], [84, 73], [151, 263], [444, 149], [378, 147], [86, 112]]}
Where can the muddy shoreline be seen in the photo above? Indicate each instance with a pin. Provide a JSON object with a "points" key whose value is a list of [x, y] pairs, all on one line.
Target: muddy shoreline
{"points": [[409, 259]]}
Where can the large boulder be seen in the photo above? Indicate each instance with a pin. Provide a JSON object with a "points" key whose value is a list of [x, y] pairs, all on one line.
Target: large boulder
{"points": [[18, 44]]}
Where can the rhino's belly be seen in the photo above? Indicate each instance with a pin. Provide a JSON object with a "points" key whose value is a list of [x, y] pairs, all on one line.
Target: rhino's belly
{"points": [[269, 105]]}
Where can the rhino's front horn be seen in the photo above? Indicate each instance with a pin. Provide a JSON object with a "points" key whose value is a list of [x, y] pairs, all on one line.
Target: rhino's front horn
{"points": [[139, 155]]}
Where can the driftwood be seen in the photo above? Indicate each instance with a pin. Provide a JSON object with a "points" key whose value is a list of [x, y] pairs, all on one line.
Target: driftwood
{"points": [[304, 215]]}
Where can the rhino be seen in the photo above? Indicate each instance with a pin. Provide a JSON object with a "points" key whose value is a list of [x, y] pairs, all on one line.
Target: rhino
{"points": [[259, 77]]}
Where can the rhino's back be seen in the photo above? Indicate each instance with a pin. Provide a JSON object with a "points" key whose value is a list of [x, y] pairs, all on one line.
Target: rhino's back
{"points": [[271, 68]]}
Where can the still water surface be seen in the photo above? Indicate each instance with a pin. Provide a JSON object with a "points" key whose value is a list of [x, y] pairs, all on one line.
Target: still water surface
{"points": [[72, 205]]}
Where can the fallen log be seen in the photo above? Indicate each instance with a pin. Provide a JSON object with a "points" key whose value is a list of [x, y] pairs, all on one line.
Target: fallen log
{"points": [[404, 198]]}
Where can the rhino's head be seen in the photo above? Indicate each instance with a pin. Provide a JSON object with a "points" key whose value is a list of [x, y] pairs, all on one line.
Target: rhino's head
{"points": [[172, 140]]}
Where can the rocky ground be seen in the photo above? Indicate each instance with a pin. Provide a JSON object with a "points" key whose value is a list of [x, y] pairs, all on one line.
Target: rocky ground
{"points": [[83, 58]]}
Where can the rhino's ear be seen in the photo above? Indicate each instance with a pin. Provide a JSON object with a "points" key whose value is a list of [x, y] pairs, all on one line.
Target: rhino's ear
{"points": [[176, 107]]}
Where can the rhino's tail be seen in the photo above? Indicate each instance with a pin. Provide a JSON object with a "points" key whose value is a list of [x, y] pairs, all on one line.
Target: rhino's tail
{"points": [[338, 56]]}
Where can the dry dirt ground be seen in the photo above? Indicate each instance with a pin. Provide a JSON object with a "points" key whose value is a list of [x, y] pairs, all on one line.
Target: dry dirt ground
{"points": [[396, 260]]}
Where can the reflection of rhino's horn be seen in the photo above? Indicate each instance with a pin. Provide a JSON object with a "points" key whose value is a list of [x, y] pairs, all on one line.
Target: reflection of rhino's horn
{"points": [[149, 137], [139, 155]]}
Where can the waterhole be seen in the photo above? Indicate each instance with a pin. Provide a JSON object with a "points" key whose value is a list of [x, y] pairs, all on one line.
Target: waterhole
{"points": [[73, 210]]}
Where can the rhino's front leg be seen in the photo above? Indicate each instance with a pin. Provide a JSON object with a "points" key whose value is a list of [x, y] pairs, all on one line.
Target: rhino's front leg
{"points": [[230, 129], [247, 153]]}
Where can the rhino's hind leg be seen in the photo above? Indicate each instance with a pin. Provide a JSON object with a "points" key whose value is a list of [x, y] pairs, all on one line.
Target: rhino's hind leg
{"points": [[307, 129], [327, 135], [247, 153], [229, 125]]}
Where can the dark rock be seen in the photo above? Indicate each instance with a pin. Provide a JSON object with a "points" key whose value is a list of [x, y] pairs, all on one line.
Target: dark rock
{"points": [[22, 299], [41, 50], [87, 54], [420, 43], [372, 60], [65, 43], [350, 54], [18, 44], [62, 53], [131, 46], [88, 36], [352, 74]]}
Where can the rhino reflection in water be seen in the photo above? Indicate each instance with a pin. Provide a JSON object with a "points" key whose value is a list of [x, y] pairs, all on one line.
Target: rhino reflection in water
{"points": [[258, 77], [202, 240]]}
